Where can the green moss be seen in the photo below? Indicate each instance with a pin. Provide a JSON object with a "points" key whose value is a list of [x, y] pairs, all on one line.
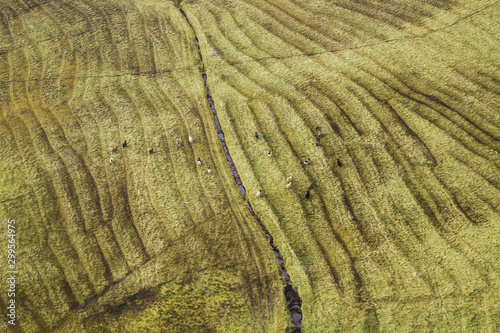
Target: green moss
{"points": [[209, 303]]}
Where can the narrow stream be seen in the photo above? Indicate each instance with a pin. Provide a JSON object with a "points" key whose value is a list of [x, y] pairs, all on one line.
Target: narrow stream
{"points": [[221, 137], [291, 296]]}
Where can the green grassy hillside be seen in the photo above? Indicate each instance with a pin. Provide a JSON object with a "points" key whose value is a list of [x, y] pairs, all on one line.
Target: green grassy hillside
{"points": [[77, 80], [403, 236]]}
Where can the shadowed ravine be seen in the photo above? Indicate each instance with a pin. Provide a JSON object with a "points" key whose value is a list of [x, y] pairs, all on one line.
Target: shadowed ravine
{"points": [[292, 297]]}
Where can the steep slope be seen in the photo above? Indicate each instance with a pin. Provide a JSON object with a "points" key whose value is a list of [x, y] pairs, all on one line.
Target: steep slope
{"points": [[79, 78], [400, 232], [403, 236]]}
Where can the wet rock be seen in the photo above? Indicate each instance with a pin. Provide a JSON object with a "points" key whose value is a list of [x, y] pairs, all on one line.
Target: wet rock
{"points": [[297, 317]]}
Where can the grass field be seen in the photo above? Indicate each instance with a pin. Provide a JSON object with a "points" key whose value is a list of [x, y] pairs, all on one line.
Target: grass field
{"points": [[402, 237]]}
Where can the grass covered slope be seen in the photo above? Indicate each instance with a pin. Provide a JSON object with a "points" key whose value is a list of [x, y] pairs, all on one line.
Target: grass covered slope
{"points": [[98, 241], [404, 235]]}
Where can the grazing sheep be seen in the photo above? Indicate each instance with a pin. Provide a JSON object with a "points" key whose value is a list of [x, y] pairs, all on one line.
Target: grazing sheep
{"points": [[111, 160], [178, 142], [269, 154], [209, 171], [289, 185], [259, 193], [317, 142], [114, 150], [308, 194], [190, 139], [124, 144], [306, 162], [256, 136], [289, 179], [319, 133], [199, 162], [338, 162]]}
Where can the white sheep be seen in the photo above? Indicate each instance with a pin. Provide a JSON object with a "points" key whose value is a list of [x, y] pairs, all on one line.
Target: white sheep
{"points": [[307, 161], [190, 139], [209, 171], [258, 194], [289, 179], [269, 154], [289, 185], [199, 161], [111, 160]]}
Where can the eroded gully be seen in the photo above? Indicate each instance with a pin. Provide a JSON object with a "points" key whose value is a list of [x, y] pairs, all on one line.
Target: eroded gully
{"points": [[291, 296]]}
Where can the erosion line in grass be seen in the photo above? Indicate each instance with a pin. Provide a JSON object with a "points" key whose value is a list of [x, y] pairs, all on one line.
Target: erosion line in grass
{"points": [[292, 297]]}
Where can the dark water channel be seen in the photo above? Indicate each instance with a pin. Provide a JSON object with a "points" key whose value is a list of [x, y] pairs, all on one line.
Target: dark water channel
{"points": [[291, 296]]}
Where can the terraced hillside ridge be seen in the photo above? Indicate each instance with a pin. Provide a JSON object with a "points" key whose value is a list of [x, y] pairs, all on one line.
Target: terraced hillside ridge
{"points": [[400, 232]]}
